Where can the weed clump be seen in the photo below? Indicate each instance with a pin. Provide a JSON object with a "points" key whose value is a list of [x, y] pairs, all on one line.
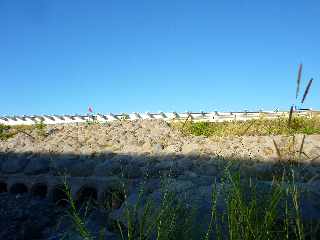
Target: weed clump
{"points": [[40, 128], [5, 132]]}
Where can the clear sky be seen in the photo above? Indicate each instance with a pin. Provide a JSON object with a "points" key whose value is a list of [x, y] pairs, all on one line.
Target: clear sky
{"points": [[62, 56]]}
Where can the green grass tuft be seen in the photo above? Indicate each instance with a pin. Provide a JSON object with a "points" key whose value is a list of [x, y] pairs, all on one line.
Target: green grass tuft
{"points": [[5, 132]]}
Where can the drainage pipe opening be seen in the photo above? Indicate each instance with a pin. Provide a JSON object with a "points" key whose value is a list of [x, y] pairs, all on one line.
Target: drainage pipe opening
{"points": [[3, 187], [87, 195], [113, 199], [18, 188], [59, 196], [39, 190]]}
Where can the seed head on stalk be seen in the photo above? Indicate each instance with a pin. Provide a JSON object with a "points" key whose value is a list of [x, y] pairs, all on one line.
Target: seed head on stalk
{"points": [[307, 90], [299, 80]]}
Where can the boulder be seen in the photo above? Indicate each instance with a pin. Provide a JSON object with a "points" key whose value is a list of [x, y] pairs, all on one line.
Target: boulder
{"points": [[174, 148], [157, 148], [190, 149]]}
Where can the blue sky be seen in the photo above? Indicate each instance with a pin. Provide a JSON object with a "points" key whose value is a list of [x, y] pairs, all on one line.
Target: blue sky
{"points": [[59, 57]]}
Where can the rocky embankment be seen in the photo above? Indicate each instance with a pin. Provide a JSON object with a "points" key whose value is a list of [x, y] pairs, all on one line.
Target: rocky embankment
{"points": [[96, 158]]}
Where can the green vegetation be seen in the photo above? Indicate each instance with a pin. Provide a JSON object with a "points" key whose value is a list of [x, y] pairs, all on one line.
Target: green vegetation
{"points": [[78, 219], [251, 212], [7, 132], [168, 219], [92, 121], [40, 128], [124, 117], [256, 127]]}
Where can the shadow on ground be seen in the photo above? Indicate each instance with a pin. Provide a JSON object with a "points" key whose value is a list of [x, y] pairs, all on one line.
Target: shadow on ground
{"points": [[32, 202]]}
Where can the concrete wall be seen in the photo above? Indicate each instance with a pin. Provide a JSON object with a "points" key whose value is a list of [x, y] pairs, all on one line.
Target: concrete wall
{"points": [[169, 116]]}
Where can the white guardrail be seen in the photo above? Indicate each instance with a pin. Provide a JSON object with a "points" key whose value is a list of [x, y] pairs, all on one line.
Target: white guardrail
{"points": [[166, 116]]}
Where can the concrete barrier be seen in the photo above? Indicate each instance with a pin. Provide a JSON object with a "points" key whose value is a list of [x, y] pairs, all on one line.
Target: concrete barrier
{"points": [[168, 116]]}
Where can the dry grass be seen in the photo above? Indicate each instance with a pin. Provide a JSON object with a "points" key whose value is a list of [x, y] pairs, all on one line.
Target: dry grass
{"points": [[259, 127]]}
